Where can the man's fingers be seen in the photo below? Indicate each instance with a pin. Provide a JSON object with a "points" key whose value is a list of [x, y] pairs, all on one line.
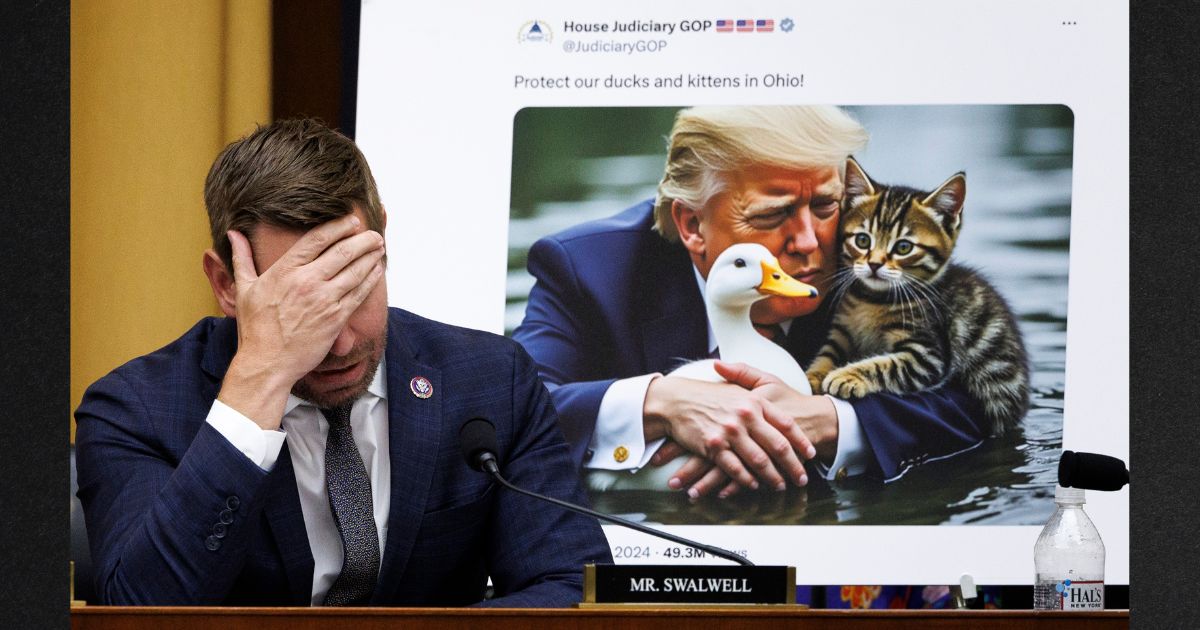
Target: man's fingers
{"points": [[729, 490], [757, 459], [242, 258], [781, 451], [743, 375], [790, 430], [354, 274], [747, 446], [317, 240], [665, 453], [711, 480], [359, 293], [345, 252], [732, 466], [692, 470]]}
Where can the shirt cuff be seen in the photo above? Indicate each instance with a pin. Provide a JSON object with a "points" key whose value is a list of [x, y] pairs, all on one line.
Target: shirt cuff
{"points": [[260, 446], [619, 440], [852, 451]]}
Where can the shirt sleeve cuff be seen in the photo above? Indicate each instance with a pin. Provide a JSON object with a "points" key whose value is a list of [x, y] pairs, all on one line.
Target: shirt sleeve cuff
{"points": [[260, 446], [852, 450], [619, 440]]}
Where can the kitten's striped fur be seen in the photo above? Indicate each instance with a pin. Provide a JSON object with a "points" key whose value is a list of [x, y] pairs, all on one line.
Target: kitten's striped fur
{"points": [[910, 320]]}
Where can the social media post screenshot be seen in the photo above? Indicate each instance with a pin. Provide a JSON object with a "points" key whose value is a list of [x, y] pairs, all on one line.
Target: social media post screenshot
{"points": [[890, 238]]}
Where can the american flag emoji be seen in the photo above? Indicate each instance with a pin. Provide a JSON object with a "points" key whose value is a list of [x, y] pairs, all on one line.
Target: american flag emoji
{"points": [[745, 26], [764, 26], [724, 26]]}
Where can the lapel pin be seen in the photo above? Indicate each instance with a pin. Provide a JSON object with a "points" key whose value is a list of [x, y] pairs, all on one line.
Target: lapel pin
{"points": [[421, 387]]}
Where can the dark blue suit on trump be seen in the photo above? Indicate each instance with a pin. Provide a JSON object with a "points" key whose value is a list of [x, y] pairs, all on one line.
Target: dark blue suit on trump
{"points": [[614, 299], [178, 515]]}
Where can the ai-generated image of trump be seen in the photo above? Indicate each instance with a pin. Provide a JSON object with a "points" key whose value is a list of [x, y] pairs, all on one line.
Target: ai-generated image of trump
{"points": [[674, 335]]}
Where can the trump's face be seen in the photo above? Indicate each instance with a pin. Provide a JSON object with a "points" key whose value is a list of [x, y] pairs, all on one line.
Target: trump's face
{"points": [[792, 212]]}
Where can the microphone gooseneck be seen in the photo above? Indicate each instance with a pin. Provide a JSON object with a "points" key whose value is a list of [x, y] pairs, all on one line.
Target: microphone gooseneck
{"points": [[479, 446]]}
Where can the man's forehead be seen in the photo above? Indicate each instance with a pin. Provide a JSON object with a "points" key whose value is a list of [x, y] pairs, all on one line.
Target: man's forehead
{"points": [[269, 241], [778, 180]]}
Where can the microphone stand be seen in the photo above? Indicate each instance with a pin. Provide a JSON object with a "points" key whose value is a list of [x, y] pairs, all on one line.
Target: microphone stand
{"points": [[488, 462]]}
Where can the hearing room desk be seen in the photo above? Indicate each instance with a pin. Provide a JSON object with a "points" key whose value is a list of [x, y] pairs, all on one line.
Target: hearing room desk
{"points": [[649, 618]]}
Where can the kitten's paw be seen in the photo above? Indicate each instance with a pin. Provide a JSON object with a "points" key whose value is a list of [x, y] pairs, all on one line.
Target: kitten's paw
{"points": [[847, 383], [815, 381]]}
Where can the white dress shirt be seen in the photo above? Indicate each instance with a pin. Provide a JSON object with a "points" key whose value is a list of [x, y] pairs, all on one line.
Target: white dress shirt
{"points": [[619, 425], [305, 429]]}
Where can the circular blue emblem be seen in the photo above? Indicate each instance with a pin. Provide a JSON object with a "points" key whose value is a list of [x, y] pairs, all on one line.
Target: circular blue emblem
{"points": [[421, 387]]}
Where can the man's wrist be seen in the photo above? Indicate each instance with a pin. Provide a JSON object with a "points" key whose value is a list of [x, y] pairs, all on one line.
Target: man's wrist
{"points": [[654, 416], [853, 453], [822, 429], [255, 391]]}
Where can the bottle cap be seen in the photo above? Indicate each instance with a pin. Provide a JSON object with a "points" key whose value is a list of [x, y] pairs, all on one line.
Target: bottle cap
{"points": [[1069, 495]]}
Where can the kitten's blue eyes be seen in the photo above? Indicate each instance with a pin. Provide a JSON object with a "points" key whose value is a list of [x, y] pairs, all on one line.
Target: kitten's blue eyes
{"points": [[862, 241], [902, 247]]}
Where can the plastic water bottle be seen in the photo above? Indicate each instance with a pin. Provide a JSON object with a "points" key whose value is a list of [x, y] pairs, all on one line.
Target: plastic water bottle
{"points": [[1069, 558]]}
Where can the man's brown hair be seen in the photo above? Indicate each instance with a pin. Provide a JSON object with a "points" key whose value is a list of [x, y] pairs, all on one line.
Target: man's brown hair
{"points": [[292, 174]]}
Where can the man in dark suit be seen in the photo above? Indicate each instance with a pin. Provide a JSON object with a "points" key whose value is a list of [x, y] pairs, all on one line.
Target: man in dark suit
{"points": [[305, 449], [618, 302]]}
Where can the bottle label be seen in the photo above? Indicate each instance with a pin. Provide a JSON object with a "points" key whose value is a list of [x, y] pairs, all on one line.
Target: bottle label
{"points": [[1080, 594]]}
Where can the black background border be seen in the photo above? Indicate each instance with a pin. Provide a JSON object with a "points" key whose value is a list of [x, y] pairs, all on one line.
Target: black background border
{"points": [[1164, 314]]}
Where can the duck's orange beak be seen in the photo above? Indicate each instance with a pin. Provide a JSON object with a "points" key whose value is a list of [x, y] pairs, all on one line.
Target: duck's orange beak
{"points": [[776, 282]]}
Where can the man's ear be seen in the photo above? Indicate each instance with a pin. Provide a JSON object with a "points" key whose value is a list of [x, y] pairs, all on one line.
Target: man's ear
{"points": [[687, 223], [221, 280]]}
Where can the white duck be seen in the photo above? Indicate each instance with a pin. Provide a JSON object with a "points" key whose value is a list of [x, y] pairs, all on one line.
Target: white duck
{"points": [[742, 275]]}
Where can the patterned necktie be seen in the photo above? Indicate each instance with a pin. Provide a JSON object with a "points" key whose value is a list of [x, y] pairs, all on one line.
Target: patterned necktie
{"points": [[350, 501]]}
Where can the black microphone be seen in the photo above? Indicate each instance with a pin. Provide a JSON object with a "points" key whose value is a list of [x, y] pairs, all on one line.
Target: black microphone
{"points": [[479, 447], [1091, 471]]}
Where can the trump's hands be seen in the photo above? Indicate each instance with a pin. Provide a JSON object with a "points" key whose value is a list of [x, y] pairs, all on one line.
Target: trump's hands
{"points": [[815, 416], [699, 475], [290, 315], [740, 431]]}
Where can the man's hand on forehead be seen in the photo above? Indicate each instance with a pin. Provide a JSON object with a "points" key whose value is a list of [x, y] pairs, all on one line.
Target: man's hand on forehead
{"points": [[290, 315], [342, 232]]}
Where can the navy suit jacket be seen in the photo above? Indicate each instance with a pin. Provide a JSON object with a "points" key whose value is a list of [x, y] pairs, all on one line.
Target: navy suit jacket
{"points": [[613, 299], [155, 479]]}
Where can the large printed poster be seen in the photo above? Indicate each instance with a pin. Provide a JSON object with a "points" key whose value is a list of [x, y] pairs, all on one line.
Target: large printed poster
{"points": [[523, 123], [575, 169]]}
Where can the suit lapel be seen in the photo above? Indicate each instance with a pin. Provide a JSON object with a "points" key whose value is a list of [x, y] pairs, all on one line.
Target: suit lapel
{"points": [[286, 519], [414, 431], [672, 340], [808, 334], [674, 325]]}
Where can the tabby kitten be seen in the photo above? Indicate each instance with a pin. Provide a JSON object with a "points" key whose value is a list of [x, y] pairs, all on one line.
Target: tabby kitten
{"points": [[911, 320]]}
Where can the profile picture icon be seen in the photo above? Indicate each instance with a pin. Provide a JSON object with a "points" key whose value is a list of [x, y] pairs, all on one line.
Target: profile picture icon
{"points": [[535, 31]]}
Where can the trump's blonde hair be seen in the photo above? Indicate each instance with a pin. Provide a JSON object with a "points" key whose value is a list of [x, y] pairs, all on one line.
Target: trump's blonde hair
{"points": [[708, 144]]}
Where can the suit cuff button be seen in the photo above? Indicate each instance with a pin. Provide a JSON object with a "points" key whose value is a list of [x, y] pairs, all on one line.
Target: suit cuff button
{"points": [[212, 543], [226, 517], [233, 503], [220, 529]]}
